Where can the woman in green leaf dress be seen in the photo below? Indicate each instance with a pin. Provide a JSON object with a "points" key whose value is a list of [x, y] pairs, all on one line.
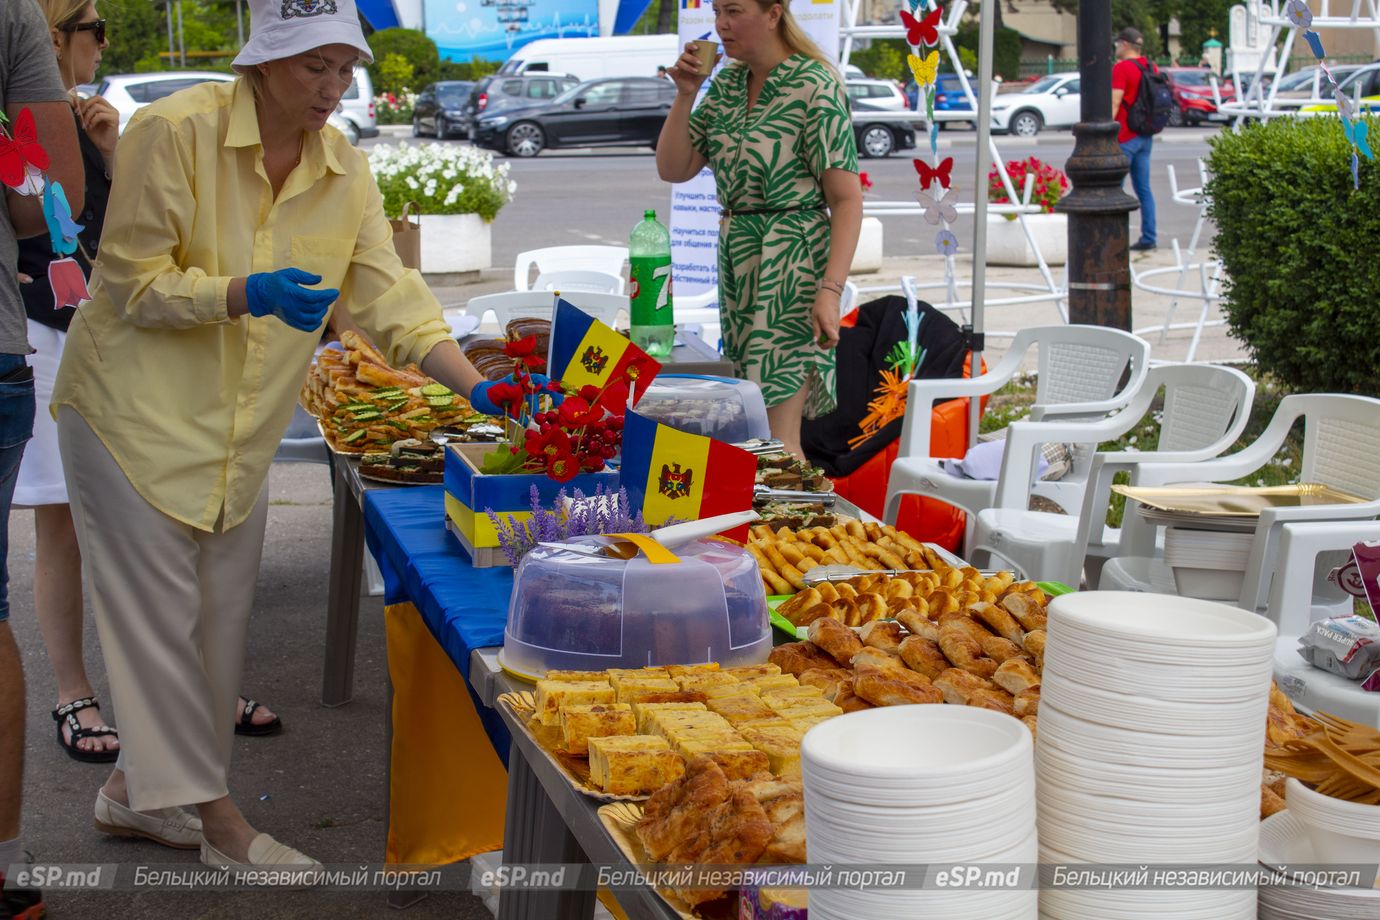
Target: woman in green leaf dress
{"points": [[775, 129]]}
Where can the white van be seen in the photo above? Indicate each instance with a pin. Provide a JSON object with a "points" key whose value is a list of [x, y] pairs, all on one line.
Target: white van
{"points": [[593, 58]]}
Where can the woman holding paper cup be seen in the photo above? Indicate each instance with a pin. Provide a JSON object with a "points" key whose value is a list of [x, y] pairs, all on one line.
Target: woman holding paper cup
{"points": [[775, 129], [235, 224]]}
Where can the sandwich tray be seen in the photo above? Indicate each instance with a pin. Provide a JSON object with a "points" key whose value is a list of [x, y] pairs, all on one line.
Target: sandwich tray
{"points": [[522, 704]]}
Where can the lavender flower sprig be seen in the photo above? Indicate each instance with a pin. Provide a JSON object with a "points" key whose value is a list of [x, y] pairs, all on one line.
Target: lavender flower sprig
{"points": [[601, 513]]}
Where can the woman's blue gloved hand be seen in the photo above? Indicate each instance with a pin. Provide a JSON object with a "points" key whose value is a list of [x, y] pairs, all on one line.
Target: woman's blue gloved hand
{"points": [[507, 395], [283, 294]]}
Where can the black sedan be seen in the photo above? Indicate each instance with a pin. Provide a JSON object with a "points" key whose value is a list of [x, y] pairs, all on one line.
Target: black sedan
{"points": [[440, 109], [880, 132], [623, 112]]}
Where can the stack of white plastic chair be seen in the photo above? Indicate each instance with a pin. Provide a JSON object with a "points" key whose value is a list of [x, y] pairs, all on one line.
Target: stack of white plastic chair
{"points": [[1151, 744], [909, 785]]}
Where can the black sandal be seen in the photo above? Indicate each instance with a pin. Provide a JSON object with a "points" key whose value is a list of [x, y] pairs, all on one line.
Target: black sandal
{"points": [[246, 726], [68, 714]]}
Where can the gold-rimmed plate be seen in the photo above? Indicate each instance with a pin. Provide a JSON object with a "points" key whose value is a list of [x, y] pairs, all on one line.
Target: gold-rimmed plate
{"points": [[1235, 501]]}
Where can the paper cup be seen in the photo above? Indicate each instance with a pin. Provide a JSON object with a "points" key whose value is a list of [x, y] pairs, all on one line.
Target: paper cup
{"points": [[708, 54]]}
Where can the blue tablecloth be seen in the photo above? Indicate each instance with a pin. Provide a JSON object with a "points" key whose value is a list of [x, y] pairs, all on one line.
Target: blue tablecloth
{"points": [[465, 608]]}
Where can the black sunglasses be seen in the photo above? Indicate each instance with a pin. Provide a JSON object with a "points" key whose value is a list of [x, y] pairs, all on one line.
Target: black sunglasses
{"points": [[96, 25]]}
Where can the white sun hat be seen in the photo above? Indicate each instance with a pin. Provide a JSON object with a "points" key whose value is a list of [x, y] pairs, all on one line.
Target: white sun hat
{"points": [[281, 28]]}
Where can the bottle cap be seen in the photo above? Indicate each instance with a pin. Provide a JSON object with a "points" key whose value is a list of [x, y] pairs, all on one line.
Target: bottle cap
{"points": [[649, 214]]}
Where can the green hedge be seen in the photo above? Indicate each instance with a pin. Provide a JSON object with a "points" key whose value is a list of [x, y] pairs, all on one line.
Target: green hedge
{"points": [[1298, 245]]}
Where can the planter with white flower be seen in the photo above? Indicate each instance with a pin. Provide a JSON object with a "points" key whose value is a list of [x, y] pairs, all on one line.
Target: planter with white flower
{"points": [[458, 190], [1006, 241]]}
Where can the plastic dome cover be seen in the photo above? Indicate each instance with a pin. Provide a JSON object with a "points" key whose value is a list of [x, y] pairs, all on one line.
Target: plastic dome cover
{"points": [[573, 611], [718, 407]]}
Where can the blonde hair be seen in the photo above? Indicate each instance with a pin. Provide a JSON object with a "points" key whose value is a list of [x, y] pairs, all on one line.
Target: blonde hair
{"points": [[794, 36], [59, 13]]}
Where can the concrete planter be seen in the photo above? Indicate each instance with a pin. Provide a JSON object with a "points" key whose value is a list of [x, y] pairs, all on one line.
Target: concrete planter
{"points": [[1007, 245], [455, 244], [867, 257]]}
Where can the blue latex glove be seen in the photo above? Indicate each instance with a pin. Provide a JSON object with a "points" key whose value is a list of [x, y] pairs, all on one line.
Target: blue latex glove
{"points": [[283, 294], [483, 402]]}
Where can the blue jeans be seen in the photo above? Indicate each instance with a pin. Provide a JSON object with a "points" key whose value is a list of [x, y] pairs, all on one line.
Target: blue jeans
{"points": [[1137, 150], [16, 427]]}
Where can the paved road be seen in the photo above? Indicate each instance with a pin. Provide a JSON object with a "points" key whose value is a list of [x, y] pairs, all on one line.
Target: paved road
{"points": [[569, 197]]}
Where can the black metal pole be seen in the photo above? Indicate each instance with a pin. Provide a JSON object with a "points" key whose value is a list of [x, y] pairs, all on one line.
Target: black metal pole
{"points": [[1099, 263]]}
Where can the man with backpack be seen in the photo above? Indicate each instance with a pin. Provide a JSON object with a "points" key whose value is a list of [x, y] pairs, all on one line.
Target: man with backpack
{"points": [[1141, 99]]}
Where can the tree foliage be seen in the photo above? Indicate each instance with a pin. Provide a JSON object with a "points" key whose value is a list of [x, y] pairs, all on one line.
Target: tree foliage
{"points": [[1295, 240], [415, 46]]}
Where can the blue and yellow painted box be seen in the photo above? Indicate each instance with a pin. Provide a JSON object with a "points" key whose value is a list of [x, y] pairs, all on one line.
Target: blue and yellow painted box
{"points": [[469, 492]]}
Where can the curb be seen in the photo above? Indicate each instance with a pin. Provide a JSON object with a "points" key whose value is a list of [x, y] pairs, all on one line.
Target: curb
{"points": [[1063, 138]]}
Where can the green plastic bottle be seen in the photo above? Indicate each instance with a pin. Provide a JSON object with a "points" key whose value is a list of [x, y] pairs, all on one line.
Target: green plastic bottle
{"points": [[653, 318]]}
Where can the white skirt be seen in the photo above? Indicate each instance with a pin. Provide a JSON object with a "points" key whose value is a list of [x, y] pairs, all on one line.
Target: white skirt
{"points": [[40, 474]]}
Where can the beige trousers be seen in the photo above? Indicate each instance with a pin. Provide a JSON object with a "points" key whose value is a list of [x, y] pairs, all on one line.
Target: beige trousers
{"points": [[172, 608]]}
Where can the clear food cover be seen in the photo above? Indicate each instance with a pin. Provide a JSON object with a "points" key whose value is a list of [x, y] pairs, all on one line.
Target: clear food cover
{"points": [[718, 407], [573, 611]]}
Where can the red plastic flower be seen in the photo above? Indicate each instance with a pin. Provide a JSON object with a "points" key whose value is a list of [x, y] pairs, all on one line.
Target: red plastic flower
{"points": [[614, 398], [548, 443], [866, 181], [562, 466], [524, 352], [576, 411], [507, 396]]}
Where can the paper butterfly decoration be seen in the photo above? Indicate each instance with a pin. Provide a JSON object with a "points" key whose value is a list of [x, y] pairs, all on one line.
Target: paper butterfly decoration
{"points": [[928, 174], [68, 282], [62, 230], [922, 31], [945, 243], [22, 158], [1356, 132], [1343, 104], [1298, 13], [1315, 43], [925, 70], [937, 209]]}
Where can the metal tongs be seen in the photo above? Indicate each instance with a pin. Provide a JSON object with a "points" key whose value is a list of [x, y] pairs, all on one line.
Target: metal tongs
{"points": [[768, 494], [759, 446]]}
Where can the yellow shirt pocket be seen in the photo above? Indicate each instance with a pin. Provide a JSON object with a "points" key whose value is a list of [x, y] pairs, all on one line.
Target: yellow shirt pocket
{"points": [[326, 256]]}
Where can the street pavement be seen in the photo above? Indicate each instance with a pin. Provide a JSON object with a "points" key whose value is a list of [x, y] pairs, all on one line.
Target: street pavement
{"points": [[320, 784]]}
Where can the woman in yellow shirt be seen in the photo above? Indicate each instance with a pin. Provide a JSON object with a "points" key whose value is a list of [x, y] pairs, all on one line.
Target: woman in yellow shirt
{"points": [[235, 225]]}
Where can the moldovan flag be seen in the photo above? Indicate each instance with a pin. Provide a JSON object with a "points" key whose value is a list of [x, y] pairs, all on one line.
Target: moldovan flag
{"points": [[671, 474], [584, 351]]}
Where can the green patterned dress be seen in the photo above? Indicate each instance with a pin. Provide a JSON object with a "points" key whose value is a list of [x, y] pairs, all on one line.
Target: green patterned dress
{"points": [[770, 265]]}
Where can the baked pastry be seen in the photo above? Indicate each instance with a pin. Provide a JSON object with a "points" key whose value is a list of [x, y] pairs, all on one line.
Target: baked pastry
{"points": [[1027, 702], [796, 709], [1031, 724], [675, 813], [601, 676], [737, 758], [960, 648], [882, 634], [739, 709], [959, 685], [749, 671], [703, 680], [996, 700], [791, 696], [642, 711], [784, 804], [579, 723], [624, 684], [837, 640], [671, 723], [798, 657], [894, 687], [848, 700], [552, 694], [999, 621], [1034, 643], [781, 744], [923, 655], [616, 674], [760, 684], [632, 693], [828, 680], [876, 658], [1029, 613], [1270, 802], [632, 764], [1016, 675], [918, 624], [680, 670]]}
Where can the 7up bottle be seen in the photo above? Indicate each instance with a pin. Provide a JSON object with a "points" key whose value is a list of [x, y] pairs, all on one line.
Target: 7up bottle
{"points": [[653, 322]]}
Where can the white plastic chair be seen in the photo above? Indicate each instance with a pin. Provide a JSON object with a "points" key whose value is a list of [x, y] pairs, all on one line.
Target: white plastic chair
{"points": [[1206, 409], [1341, 449], [1079, 369], [509, 305], [574, 279], [606, 259]]}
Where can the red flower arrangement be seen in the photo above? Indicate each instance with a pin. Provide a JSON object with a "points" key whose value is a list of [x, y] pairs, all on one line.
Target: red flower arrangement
{"points": [[1050, 183], [577, 436]]}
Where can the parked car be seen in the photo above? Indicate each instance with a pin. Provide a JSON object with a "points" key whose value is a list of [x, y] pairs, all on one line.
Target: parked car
{"points": [[1049, 102], [357, 105], [590, 58], [883, 94], [345, 127], [495, 94], [1194, 102], [1366, 80], [130, 92], [949, 98], [440, 109], [879, 132], [619, 112]]}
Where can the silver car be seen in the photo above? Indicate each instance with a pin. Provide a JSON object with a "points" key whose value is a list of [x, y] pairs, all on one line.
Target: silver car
{"points": [[130, 92]]}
